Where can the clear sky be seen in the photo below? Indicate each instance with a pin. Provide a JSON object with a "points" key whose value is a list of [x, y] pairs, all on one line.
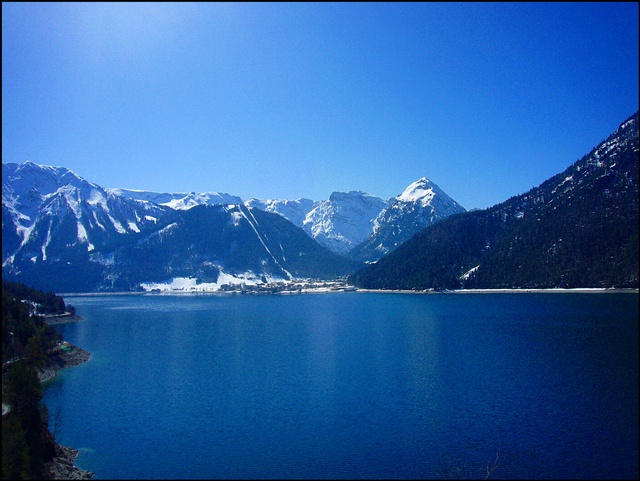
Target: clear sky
{"points": [[282, 101]]}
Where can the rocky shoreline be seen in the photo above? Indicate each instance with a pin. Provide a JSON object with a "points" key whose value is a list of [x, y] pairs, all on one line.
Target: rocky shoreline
{"points": [[53, 319], [62, 359], [62, 467]]}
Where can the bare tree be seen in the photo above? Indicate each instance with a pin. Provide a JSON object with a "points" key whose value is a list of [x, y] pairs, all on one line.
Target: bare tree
{"points": [[57, 420]]}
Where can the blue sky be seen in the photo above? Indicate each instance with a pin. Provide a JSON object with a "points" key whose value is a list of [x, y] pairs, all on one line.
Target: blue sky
{"points": [[284, 101]]}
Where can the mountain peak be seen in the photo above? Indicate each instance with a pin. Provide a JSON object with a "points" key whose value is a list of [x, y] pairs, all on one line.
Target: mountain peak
{"points": [[422, 203], [21, 181], [422, 189], [59, 171]]}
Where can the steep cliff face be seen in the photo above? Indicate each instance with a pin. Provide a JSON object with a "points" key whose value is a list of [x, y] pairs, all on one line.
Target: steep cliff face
{"points": [[344, 220]]}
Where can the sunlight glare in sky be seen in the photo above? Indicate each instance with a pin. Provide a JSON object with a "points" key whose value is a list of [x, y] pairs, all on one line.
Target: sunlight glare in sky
{"points": [[289, 100], [130, 31]]}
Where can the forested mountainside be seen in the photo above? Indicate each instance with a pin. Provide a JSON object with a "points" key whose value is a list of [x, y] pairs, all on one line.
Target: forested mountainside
{"points": [[201, 243], [207, 241], [577, 229]]}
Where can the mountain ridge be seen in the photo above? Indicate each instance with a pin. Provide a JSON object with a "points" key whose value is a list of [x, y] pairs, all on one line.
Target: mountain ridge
{"points": [[577, 229], [339, 223]]}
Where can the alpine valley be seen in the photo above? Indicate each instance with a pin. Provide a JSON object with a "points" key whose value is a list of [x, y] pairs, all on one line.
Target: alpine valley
{"points": [[61, 232], [578, 229]]}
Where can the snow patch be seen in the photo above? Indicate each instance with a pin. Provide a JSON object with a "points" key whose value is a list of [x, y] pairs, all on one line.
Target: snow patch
{"points": [[82, 236], [9, 260], [25, 233], [95, 217], [468, 274], [46, 243], [236, 217], [96, 197], [421, 190], [167, 229], [117, 225]]}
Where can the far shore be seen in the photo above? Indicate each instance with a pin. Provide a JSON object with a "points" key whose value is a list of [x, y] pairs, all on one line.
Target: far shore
{"points": [[583, 290]]}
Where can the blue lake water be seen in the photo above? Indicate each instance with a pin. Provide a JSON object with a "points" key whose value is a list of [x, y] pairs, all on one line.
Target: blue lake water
{"points": [[352, 385]]}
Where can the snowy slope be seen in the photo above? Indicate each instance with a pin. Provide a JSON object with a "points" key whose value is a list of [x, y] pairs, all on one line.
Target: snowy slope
{"points": [[207, 243], [294, 211], [344, 220], [53, 211]]}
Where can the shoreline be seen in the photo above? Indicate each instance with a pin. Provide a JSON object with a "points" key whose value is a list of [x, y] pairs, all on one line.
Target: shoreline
{"points": [[311, 290], [67, 317], [62, 465], [62, 359], [554, 290]]}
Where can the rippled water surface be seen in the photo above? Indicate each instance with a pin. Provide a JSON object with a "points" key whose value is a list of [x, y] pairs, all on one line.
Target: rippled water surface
{"points": [[352, 385]]}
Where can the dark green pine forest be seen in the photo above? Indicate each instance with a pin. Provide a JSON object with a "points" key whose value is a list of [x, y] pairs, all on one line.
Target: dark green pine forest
{"points": [[27, 443], [577, 229]]}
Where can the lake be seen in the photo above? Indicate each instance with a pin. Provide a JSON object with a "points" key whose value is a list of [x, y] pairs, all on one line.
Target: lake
{"points": [[352, 385]]}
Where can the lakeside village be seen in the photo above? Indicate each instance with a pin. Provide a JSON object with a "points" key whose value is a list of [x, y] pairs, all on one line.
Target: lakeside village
{"points": [[316, 286], [297, 286]]}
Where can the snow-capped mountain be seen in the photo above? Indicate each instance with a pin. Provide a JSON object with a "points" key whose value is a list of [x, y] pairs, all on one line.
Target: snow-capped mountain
{"points": [[421, 204], [363, 226], [179, 200], [344, 220], [294, 211], [340, 223], [53, 212], [61, 232]]}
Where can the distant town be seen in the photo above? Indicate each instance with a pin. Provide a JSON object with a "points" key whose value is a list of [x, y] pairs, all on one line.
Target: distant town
{"points": [[276, 287]]}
